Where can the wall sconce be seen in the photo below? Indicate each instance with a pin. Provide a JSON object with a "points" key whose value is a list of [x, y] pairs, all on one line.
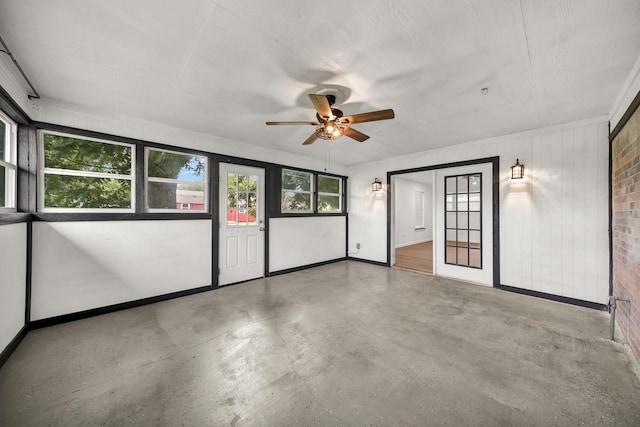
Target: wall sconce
{"points": [[376, 185], [517, 170]]}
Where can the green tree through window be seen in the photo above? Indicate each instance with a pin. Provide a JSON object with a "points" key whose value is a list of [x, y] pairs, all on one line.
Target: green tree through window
{"points": [[296, 191], [100, 174], [167, 165], [329, 199]]}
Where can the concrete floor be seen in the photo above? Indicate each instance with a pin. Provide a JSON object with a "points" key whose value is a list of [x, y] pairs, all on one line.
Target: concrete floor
{"points": [[344, 344]]}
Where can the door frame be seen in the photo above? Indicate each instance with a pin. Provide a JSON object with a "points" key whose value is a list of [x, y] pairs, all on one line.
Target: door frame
{"points": [[269, 190], [495, 161], [259, 228]]}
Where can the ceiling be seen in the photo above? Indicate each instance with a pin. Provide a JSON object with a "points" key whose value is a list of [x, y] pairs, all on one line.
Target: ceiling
{"points": [[224, 67]]}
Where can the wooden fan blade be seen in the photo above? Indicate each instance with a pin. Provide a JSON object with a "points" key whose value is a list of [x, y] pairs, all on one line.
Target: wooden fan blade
{"points": [[321, 104], [313, 138], [369, 117], [352, 133], [293, 123]]}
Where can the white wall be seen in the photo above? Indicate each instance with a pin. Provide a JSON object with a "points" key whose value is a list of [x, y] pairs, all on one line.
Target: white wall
{"points": [[13, 272], [84, 265], [554, 223], [404, 212], [55, 112], [296, 242]]}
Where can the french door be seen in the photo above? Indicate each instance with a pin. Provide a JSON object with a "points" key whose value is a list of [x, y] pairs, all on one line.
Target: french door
{"points": [[463, 244]]}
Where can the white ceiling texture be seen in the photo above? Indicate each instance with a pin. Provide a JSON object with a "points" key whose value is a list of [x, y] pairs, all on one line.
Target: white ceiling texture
{"points": [[224, 67]]}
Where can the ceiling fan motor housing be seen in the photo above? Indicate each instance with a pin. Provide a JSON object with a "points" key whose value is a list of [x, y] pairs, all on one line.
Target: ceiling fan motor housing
{"points": [[332, 124]]}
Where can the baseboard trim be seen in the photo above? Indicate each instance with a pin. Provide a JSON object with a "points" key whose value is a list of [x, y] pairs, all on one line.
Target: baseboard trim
{"points": [[11, 347], [305, 267], [404, 245], [51, 321], [557, 298], [368, 261]]}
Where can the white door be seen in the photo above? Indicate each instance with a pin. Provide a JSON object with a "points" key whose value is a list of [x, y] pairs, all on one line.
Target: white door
{"points": [[241, 251], [463, 244]]}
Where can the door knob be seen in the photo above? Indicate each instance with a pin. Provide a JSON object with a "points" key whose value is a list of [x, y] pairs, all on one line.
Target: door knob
{"points": [[261, 229]]}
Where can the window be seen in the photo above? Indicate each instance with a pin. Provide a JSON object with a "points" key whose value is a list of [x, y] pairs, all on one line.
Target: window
{"points": [[463, 220], [175, 181], [329, 194], [8, 132], [242, 199], [86, 174], [297, 191], [419, 201]]}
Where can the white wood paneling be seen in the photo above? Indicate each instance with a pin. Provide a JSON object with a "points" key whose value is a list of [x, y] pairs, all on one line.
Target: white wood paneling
{"points": [[553, 224], [13, 272], [295, 242], [84, 265]]}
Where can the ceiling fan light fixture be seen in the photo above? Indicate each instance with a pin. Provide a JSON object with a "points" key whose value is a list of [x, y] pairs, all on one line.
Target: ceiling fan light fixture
{"points": [[329, 130]]}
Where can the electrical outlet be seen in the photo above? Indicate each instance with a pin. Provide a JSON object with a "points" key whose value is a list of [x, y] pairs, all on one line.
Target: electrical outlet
{"points": [[357, 245]]}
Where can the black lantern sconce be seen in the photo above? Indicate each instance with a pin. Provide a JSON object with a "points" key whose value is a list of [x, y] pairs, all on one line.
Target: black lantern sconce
{"points": [[517, 170], [376, 185]]}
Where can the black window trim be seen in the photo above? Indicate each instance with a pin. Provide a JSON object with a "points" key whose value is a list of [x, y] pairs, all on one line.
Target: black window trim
{"points": [[277, 211], [468, 228], [28, 143]]}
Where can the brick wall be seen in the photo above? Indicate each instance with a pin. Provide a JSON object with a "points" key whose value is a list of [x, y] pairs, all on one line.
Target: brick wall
{"points": [[626, 229]]}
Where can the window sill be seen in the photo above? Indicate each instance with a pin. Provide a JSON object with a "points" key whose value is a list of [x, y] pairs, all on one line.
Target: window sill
{"points": [[307, 215], [114, 216]]}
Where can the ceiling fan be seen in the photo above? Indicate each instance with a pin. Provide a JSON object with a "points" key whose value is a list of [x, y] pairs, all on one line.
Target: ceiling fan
{"points": [[332, 124]]}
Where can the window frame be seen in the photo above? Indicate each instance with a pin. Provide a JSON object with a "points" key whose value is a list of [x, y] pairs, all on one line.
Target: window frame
{"points": [[10, 163], [43, 171], [312, 191], [419, 210], [147, 179], [276, 208], [468, 229], [322, 193]]}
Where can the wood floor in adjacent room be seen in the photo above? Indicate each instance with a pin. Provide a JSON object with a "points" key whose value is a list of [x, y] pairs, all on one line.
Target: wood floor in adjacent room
{"points": [[418, 257]]}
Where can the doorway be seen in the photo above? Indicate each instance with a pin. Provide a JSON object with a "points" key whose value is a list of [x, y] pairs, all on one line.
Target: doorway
{"points": [[413, 221], [465, 236], [242, 228]]}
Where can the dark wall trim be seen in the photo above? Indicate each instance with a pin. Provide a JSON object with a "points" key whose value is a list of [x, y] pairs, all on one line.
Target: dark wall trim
{"points": [[558, 298], [635, 104], [496, 221], [368, 261], [305, 267], [276, 211], [12, 109], [11, 347], [610, 189], [625, 117], [446, 165], [80, 216], [36, 324], [214, 184], [14, 218], [29, 273], [308, 215], [495, 161], [140, 189]]}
